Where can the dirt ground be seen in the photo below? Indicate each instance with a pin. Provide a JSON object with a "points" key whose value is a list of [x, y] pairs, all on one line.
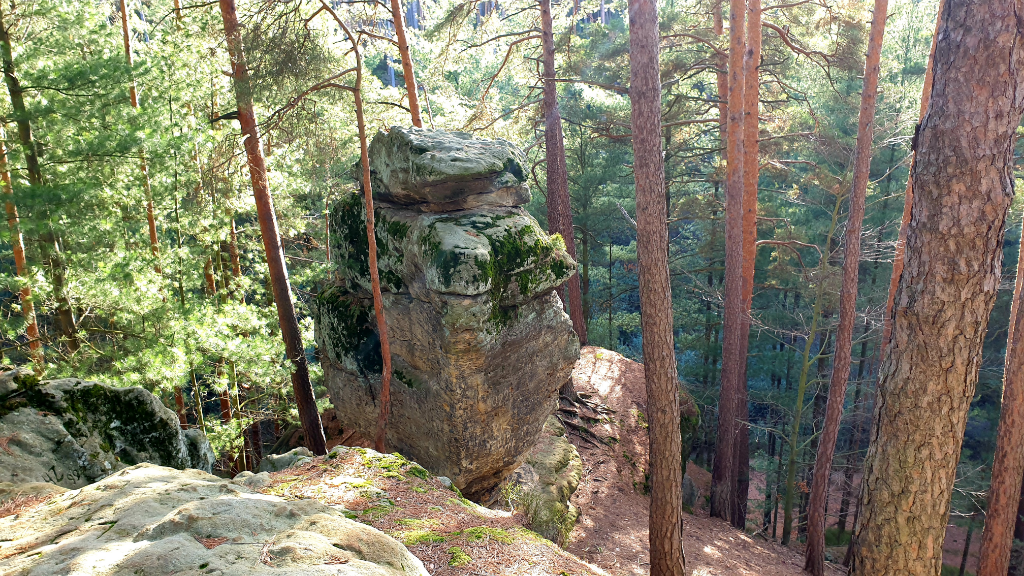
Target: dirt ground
{"points": [[612, 530]]}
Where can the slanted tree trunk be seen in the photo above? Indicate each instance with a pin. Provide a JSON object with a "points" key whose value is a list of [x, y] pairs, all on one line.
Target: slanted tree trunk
{"points": [[751, 172], [967, 546], [908, 199], [1008, 465], [963, 185], [65, 317], [27, 308], [559, 204], [378, 305], [304, 399], [842, 358], [154, 243], [723, 473], [1017, 558], [667, 558], [407, 70]]}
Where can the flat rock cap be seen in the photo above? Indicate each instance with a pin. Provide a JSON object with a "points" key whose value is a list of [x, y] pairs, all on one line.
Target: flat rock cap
{"points": [[410, 166]]}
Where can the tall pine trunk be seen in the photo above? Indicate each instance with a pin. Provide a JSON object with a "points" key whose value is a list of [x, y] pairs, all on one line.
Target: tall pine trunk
{"points": [[723, 473], [667, 558], [962, 185], [407, 70], [20, 266], [751, 172], [304, 399], [1008, 465], [559, 204], [842, 358]]}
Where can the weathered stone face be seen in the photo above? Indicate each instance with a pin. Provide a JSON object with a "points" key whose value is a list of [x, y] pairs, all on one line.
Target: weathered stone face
{"points": [[442, 171], [72, 432], [480, 343]]}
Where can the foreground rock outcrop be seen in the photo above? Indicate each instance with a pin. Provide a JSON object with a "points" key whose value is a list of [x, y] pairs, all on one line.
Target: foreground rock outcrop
{"points": [[159, 521], [479, 340], [71, 432], [545, 482]]}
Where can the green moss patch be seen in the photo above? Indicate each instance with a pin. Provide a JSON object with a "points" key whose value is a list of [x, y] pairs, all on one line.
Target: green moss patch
{"points": [[459, 557]]}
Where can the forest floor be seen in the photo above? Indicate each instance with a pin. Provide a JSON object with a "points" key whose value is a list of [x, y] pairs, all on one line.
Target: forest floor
{"points": [[612, 530]]}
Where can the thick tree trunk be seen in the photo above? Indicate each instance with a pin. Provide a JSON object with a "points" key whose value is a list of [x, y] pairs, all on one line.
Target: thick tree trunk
{"points": [[304, 399], [27, 308], [751, 172], [963, 185], [723, 473], [1017, 558], [1008, 466], [842, 358], [666, 523], [559, 203], [407, 70]]}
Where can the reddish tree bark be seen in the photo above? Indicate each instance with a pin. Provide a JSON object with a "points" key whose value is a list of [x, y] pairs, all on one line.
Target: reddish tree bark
{"points": [[666, 523], [559, 202], [963, 185], [179, 404], [154, 243], [27, 308], [304, 399], [751, 172], [378, 302], [842, 357], [1008, 465], [407, 70], [47, 240], [723, 473]]}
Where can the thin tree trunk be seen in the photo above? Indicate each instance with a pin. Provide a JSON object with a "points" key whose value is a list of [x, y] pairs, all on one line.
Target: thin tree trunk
{"points": [[378, 304], [179, 404], [801, 391], [559, 203], [304, 399], [154, 243], [842, 358], [1008, 465], [908, 200], [666, 522], [723, 473], [407, 70], [963, 185], [967, 546], [27, 308], [751, 172]]}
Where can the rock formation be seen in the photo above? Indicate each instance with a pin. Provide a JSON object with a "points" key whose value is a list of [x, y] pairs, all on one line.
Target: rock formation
{"points": [[479, 340], [545, 482], [71, 432], [159, 521]]}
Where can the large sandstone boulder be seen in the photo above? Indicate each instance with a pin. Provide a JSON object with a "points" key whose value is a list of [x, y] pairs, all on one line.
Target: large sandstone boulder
{"points": [[480, 343], [159, 521], [71, 432]]}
